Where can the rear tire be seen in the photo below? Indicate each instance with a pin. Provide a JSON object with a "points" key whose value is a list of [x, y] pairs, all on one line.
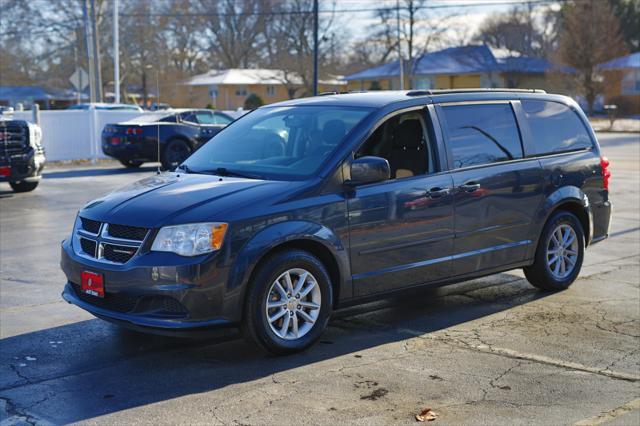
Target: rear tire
{"points": [[559, 254], [24, 186], [291, 317], [131, 164], [175, 152]]}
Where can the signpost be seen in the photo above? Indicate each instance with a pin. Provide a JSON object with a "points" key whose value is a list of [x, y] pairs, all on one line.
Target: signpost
{"points": [[80, 80]]}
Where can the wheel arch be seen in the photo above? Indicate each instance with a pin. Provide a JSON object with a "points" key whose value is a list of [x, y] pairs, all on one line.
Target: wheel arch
{"points": [[571, 199], [315, 248], [301, 235], [177, 137], [581, 212]]}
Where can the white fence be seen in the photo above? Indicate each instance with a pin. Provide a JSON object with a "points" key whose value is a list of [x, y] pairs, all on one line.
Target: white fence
{"points": [[74, 134]]}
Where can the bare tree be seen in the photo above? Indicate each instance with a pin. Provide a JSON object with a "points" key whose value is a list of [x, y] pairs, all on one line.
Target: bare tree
{"points": [[420, 31], [143, 48], [182, 35], [288, 40], [233, 30], [590, 36], [522, 30], [383, 41]]}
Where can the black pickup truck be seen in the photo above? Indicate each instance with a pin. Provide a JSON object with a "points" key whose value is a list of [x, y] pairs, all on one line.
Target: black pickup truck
{"points": [[21, 154], [181, 132]]}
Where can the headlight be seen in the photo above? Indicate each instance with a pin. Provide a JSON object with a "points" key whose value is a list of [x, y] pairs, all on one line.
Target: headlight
{"points": [[190, 240], [35, 135]]}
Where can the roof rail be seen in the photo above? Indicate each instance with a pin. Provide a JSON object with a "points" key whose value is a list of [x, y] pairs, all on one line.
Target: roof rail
{"points": [[419, 92], [478, 90], [327, 93]]}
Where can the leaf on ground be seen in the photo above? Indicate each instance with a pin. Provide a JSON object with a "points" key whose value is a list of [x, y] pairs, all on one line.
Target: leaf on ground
{"points": [[427, 415]]}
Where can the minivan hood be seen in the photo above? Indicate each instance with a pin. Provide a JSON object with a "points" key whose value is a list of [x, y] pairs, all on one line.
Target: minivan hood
{"points": [[172, 198]]}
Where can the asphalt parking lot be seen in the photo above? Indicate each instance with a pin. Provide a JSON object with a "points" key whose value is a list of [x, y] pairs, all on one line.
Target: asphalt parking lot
{"points": [[490, 351]]}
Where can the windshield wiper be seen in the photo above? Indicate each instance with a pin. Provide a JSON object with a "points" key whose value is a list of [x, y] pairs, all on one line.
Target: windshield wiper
{"points": [[223, 171], [186, 169]]}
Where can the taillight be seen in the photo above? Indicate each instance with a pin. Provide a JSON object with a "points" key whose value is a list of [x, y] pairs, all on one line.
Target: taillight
{"points": [[5, 171], [115, 140], [606, 174], [134, 131]]}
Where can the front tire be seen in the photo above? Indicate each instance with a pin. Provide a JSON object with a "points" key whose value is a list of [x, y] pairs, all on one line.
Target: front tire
{"points": [[289, 302], [174, 154], [24, 186], [559, 254]]}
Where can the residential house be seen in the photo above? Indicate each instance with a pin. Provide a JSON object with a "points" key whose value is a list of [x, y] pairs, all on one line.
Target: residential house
{"points": [[622, 83], [229, 89], [458, 68], [46, 98]]}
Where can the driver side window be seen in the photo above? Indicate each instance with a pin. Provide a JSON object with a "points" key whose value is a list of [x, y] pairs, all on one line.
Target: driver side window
{"points": [[403, 140]]}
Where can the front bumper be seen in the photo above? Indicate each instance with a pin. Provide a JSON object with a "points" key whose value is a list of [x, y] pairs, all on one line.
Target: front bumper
{"points": [[186, 295], [24, 167], [149, 324]]}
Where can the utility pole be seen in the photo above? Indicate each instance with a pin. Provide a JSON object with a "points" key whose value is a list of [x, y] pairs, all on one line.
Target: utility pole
{"points": [[315, 47], [89, 45], [399, 45], [116, 53], [96, 52]]}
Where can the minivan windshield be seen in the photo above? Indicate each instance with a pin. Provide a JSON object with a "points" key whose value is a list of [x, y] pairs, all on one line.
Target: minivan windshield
{"points": [[277, 142]]}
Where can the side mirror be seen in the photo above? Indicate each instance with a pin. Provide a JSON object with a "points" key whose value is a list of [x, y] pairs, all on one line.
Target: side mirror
{"points": [[369, 170]]}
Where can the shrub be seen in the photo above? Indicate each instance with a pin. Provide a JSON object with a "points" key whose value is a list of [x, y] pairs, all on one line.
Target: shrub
{"points": [[253, 101]]}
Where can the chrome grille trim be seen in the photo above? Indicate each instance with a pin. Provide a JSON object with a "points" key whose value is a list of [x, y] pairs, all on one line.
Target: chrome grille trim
{"points": [[101, 239], [14, 139]]}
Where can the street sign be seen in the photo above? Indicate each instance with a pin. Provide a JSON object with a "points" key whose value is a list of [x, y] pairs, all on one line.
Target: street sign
{"points": [[79, 79]]}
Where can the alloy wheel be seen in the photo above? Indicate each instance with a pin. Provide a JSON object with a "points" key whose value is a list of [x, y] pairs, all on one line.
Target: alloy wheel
{"points": [[293, 304], [562, 251]]}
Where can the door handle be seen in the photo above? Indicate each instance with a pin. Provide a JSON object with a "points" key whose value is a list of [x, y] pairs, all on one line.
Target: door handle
{"points": [[470, 187], [438, 192]]}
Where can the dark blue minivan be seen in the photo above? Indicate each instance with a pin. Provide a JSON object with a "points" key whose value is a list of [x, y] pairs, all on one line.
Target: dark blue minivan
{"points": [[308, 205]]}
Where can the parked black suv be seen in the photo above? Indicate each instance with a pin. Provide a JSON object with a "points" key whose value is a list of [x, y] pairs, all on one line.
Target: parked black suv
{"points": [[21, 154], [181, 132], [308, 205]]}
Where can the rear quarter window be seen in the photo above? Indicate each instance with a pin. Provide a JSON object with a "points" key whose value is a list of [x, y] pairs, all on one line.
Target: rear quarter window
{"points": [[481, 134], [555, 127], [221, 119]]}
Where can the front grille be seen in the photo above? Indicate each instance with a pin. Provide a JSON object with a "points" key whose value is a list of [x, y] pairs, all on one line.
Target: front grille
{"points": [[88, 246], [172, 306], [89, 225], [127, 232], [14, 138], [110, 243], [117, 253], [111, 301]]}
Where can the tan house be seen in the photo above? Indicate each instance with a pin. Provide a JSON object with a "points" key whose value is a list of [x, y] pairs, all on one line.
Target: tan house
{"points": [[622, 83], [229, 89], [458, 68]]}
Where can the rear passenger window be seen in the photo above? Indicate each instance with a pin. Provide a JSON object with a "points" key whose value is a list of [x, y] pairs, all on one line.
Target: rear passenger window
{"points": [[482, 134], [555, 127]]}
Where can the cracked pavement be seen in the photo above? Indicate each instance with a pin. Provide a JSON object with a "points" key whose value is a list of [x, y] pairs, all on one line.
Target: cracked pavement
{"points": [[489, 351]]}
